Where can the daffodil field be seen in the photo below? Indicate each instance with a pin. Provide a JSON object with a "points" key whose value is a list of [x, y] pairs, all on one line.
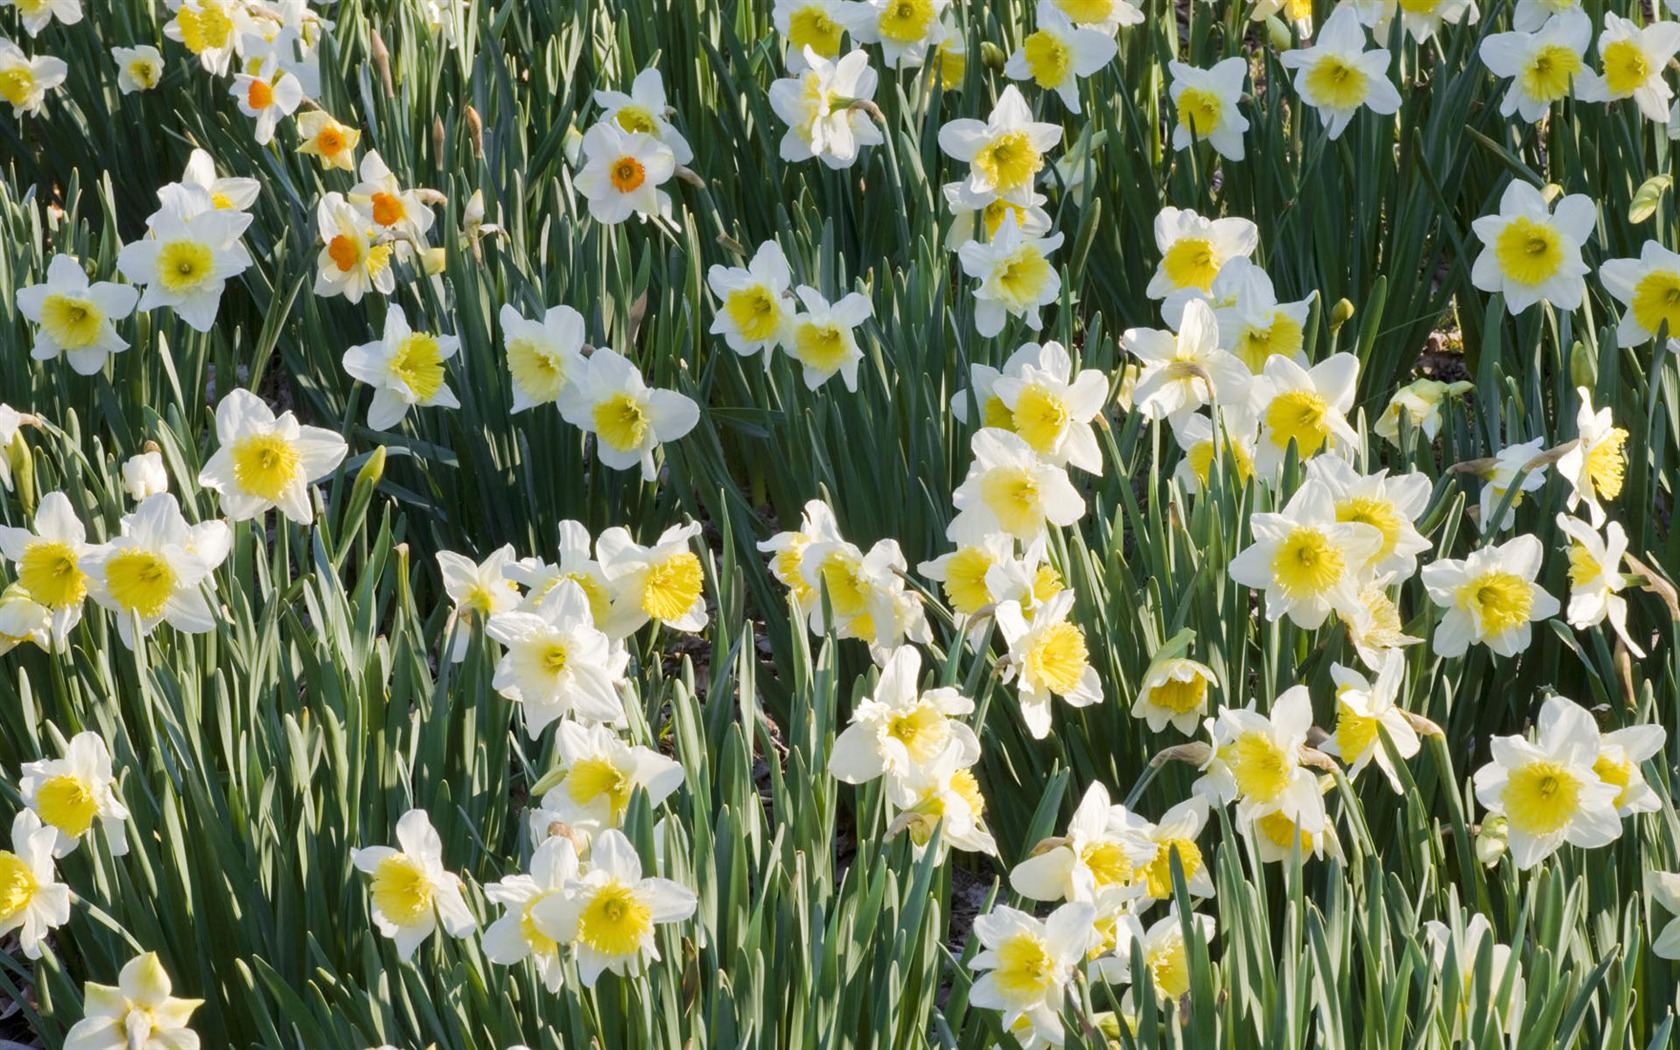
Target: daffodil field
{"points": [[839, 523]]}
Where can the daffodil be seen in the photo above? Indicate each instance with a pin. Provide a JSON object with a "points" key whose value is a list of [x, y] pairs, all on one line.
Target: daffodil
{"points": [[1594, 465], [22, 619], [610, 914], [213, 30], [596, 774], [1306, 408], [544, 356], [977, 216], [1532, 253], [1047, 658], [644, 110], [1419, 403], [47, 562], [1529, 15], [1490, 598], [825, 109], [1337, 76], [154, 570], [1465, 943], [664, 582], [69, 794], [755, 314], [1649, 290], [1362, 708], [1663, 887], [139, 1013], [266, 462], [353, 259], [1253, 324], [1421, 19], [814, 24], [1255, 761], [139, 68], [950, 58], [823, 338], [1104, 846], [1052, 410], [1620, 755], [410, 891], [394, 210], [74, 318], [38, 14], [328, 141], [905, 29], [1174, 836], [1276, 835], [267, 93], [405, 369], [1194, 249], [1205, 102], [1508, 464], [1015, 274], [557, 663], [32, 901], [1185, 370], [25, 81], [1010, 489], [1545, 64], [1057, 54], [1174, 690], [1231, 442], [1163, 949], [1299, 12], [628, 418], [787, 549], [1306, 558], [963, 573], [899, 726], [1633, 58], [854, 593], [1390, 504], [1596, 579], [1026, 964], [1547, 790], [514, 937], [477, 591], [622, 173], [1374, 624], [1005, 152], [186, 263], [220, 194]]}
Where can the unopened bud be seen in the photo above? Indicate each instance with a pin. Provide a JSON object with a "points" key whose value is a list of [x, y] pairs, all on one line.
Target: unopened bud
{"points": [[992, 56], [1340, 314]]}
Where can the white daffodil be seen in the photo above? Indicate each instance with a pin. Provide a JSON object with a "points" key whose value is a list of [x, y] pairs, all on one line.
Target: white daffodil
{"points": [[25, 81], [1163, 949], [48, 563], [1015, 274], [544, 356], [70, 793], [411, 892], [826, 110], [1046, 657], [394, 211], [186, 263], [1306, 408], [1253, 324], [1058, 54], [851, 591], [1545, 64], [1308, 561], [266, 92], [1104, 847], [214, 30], [663, 582], [1005, 152], [1363, 707], [1633, 57], [152, 572], [899, 727], [1529, 15], [266, 462], [1233, 444], [622, 173], [609, 914], [1490, 597], [1663, 887], [1174, 835], [1547, 790], [628, 418], [1026, 965], [1194, 249], [1374, 624], [74, 317], [1256, 761], [1465, 943], [787, 549], [1422, 19], [1337, 76], [977, 216], [1010, 489], [1508, 464], [595, 774], [143, 475], [514, 937], [1391, 505], [643, 110], [352, 260], [22, 619], [38, 14], [942, 794], [221, 194], [1205, 101], [477, 591], [405, 369], [1174, 690], [1183, 371], [982, 381], [32, 901], [1596, 579], [963, 573], [1620, 756], [755, 315], [1531, 252], [1419, 402], [1052, 410], [1109, 16], [139, 68], [1649, 289], [1276, 836], [557, 663], [905, 29], [823, 339], [1594, 465], [814, 24], [139, 1013]]}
